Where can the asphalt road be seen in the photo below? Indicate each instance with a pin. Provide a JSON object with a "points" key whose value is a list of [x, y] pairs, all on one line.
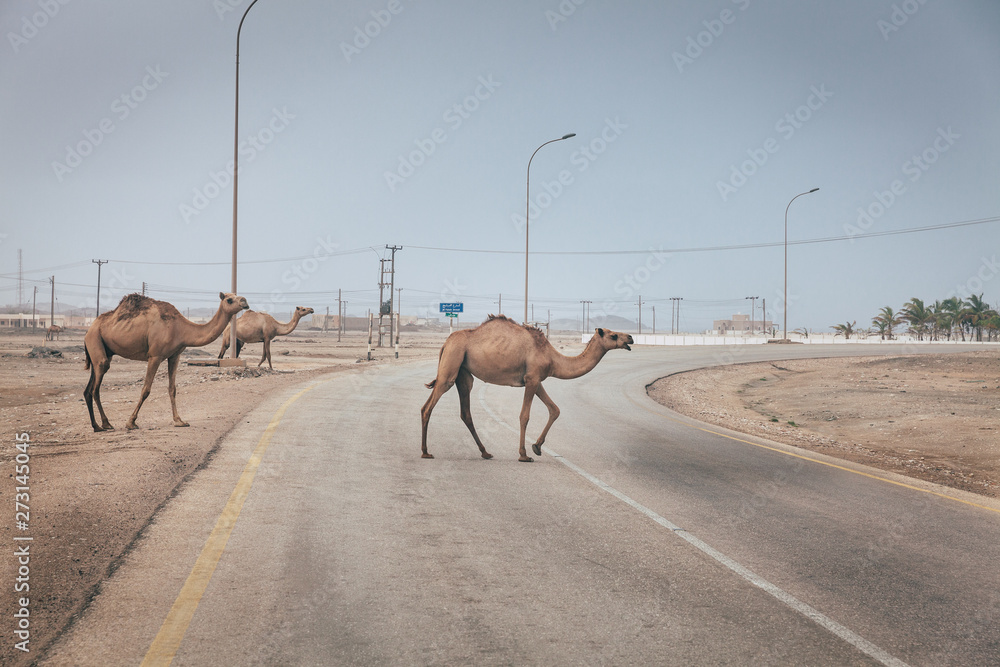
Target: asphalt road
{"points": [[639, 537]]}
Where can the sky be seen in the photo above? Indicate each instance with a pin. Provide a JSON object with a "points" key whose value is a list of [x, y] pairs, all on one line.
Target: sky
{"points": [[402, 123]]}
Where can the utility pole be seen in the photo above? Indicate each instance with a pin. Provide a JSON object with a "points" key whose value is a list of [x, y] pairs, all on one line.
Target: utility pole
{"points": [[752, 300], [326, 320], [392, 286], [98, 262], [144, 288], [340, 317], [34, 299], [500, 302], [399, 313], [675, 306], [640, 313], [20, 279], [585, 317], [654, 320], [52, 305]]}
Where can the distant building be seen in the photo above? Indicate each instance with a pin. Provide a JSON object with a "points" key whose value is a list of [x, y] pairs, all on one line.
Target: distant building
{"points": [[23, 321], [742, 325]]}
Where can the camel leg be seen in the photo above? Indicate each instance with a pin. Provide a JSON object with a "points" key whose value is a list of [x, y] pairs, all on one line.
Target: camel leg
{"points": [[553, 415], [225, 343], [529, 393], [464, 386], [239, 346], [98, 368], [151, 366], [267, 354], [172, 363], [440, 387]]}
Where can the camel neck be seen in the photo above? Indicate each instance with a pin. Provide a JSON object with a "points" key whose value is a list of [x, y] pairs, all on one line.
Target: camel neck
{"points": [[198, 335], [568, 368], [289, 326]]}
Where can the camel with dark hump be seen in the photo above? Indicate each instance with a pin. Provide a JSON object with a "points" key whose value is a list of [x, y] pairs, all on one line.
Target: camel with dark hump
{"points": [[145, 329], [254, 327], [501, 351]]}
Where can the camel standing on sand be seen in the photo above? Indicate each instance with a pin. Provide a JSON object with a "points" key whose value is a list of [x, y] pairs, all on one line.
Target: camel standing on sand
{"points": [[254, 327], [52, 333], [144, 329], [501, 351]]}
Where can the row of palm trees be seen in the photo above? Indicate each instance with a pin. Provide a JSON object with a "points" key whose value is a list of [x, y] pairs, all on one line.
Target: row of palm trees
{"points": [[964, 319]]}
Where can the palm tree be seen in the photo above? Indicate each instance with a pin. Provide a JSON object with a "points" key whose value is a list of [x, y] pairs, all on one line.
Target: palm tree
{"points": [[992, 326], [918, 315], [886, 319], [951, 315], [847, 329], [978, 312]]}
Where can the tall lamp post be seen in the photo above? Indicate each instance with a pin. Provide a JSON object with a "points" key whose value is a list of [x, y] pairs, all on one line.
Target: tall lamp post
{"points": [[527, 213], [236, 175], [785, 297]]}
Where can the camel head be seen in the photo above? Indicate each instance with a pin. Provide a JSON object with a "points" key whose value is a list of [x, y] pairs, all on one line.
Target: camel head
{"points": [[232, 303], [613, 340], [301, 311]]}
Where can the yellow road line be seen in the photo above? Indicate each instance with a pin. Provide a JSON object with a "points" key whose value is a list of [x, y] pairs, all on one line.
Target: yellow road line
{"points": [[814, 460], [168, 639]]}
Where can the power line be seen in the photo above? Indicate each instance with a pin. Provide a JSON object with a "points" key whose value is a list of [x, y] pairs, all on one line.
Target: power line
{"points": [[746, 246]]}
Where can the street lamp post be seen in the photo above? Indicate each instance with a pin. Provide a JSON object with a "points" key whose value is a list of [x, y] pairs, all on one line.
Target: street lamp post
{"points": [[236, 175], [785, 297], [527, 214]]}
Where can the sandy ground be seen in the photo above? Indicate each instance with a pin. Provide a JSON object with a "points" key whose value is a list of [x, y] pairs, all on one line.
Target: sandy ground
{"points": [[933, 417], [91, 494]]}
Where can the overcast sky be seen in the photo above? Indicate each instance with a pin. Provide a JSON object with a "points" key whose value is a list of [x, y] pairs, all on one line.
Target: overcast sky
{"points": [[407, 123]]}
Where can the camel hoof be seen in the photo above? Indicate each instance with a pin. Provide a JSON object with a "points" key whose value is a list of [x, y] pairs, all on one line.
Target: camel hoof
{"points": [[179, 424], [526, 459], [487, 455], [131, 426], [537, 449], [425, 455]]}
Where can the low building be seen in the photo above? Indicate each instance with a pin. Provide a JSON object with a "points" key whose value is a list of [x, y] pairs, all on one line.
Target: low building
{"points": [[741, 324]]}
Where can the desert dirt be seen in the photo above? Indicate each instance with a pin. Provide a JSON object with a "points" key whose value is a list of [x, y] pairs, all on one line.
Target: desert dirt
{"points": [[91, 494], [934, 417]]}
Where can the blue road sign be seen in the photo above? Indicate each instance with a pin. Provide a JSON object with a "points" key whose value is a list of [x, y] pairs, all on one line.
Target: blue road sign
{"points": [[451, 307]]}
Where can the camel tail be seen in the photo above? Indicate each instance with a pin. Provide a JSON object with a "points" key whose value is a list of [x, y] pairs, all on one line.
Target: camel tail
{"points": [[430, 385], [86, 364]]}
